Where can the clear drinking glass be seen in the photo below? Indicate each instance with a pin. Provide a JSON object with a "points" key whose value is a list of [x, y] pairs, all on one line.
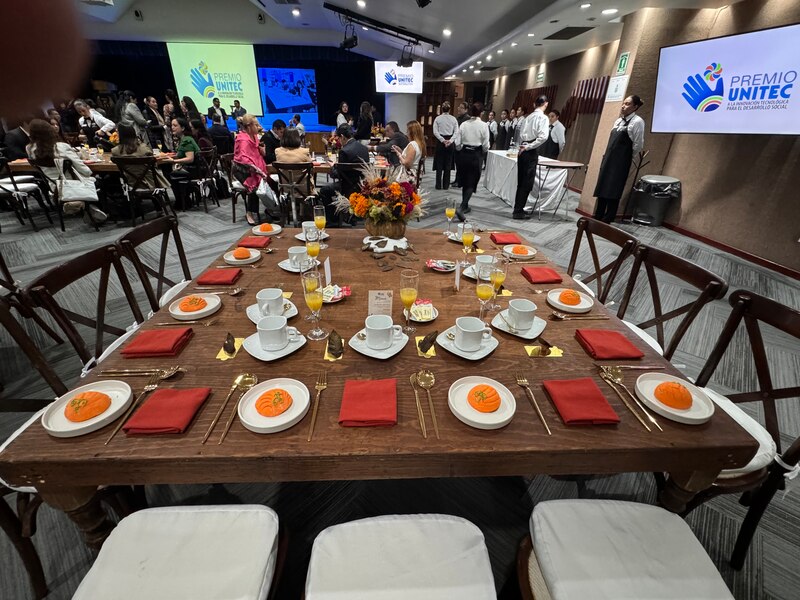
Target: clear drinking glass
{"points": [[409, 285], [320, 221], [449, 212], [483, 288], [497, 276], [467, 237], [312, 291]]}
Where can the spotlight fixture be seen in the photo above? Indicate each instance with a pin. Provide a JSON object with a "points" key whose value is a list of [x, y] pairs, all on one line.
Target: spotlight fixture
{"points": [[350, 40], [406, 56], [480, 62], [365, 28], [463, 70], [446, 32], [296, 12], [531, 34], [423, 3], [610, 11], [488, 57]]}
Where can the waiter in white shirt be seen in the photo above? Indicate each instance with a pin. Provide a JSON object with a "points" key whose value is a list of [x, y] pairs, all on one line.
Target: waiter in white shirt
{"points": [[472, 141], [445, 127], [93, 125], [557, 139], [625, 142], [533, 133]]}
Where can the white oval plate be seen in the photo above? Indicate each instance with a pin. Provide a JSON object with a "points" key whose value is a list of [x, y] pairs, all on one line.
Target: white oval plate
{"points": [[454, 237], [702, 408], [276, 229], [255, 255], [507, 250], [254, 314], [585, 305], [257, 423], [460, 407], [57, 425], [302, 236], [214, 304], [435, 314]]}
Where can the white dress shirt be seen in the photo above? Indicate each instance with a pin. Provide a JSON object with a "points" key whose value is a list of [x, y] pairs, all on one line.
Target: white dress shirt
{"points": [[493, 127], [558, 133], [444, 124], [473, 132], [635, 125], [105, 125], [534, 130]]}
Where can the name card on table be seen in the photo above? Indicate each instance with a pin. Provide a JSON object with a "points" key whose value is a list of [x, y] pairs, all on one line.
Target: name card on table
{"points": [[327, 267], [457, 284], [380, 302]]}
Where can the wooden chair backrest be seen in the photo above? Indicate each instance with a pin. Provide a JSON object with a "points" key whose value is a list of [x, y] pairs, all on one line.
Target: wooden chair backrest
{"points": [[207, 163], [295, 179], [135, 170], [349, 175]]}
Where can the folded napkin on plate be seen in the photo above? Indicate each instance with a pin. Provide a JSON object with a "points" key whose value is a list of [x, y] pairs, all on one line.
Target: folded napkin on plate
{"points": [[369, 403], [255, 241], [158, 343], [580, 402], [167, 411], [603, 344], [505, 238], [220, 276], [541, 275]]}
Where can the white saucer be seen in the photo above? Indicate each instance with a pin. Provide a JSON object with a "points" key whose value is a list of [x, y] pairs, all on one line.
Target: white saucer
{"points": [[254, 314], [214, 304], [585, 305], [463, 411], [361, 347], [255, 255], [276, 229], [435, 314], [302, 236], [532, 333], [508, 251], [253, 347], [470, 272], [702, 407], [286, 265], [454, 237], [57, 425], [450, 345], [257, 423]]}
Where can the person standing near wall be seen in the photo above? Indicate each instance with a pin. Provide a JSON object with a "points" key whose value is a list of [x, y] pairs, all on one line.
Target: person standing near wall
{"points": [[557, 139], [445, 127], [533, 133], [462, 115], [625, 142], [502, 131], [472, 141]]}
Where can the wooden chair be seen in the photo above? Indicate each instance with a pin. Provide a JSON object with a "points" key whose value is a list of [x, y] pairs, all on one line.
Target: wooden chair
{"points": [[752, 310], [11, 524], [53, 186], [16, 191], [237, 189], [128, 243], [296, 181], [203, 185], [420, 173], [140, 180], [592, 229], [711, 287]]}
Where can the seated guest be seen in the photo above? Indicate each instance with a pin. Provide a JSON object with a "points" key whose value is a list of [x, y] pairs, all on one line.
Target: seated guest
{"points": [[56, 125], [216, 109], [414, 151], [395, 138], [247, 151], [347, 179], [190, 108], [130, 146], [221, 136], [364, 124], [185, 162], [131, 115], [156, 126], [299, 127], [200, 134], [93, 125], [272, 139], [290, 150], [16, 141]]}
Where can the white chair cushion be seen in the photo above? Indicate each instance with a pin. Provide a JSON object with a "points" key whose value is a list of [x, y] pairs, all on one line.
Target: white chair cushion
{"points": [[11, 438], [645, 337], [18, 179], [606, 549], [7, 188], [399, 557], [766, 445], [172, 293], [236, 185], [198, 552]]}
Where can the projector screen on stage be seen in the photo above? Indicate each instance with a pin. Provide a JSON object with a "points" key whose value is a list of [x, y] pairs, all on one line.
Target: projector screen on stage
{"points": [[207, 71], [286, 92], [744, 83], [389, 78]]}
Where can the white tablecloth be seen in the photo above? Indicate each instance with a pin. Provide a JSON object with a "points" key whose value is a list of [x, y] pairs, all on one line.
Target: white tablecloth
{"points": [[500, 178]]}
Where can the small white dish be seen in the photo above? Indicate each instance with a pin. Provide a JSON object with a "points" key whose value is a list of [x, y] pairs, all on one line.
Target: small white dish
{"points": [[255, 256], [531, 333], [253, 347], [509, 251], [435, 313], [57, 425], [701, 410], [454, 237], [255, 315], [584, 306], [450, 345], [361, 347], [214, 303], [276, 229], [287, 265], [302, 236], [463, 411], [256, 422], [470, 273], [441, 265]]}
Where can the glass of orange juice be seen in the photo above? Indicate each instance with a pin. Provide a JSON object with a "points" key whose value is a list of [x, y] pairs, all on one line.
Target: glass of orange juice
{"points": [[320, 221], [467, 237], [312, 292], [313, 246], [449, 212], [409, 284], [497, 275], [484, 288]]}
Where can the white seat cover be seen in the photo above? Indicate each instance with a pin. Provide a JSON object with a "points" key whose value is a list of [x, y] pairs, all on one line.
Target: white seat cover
{"points": [[18, 179], [172, 293], [607, 549], [766, 445], [645, 337], [8, 188], [201, 552], [236, 185], [400, 557], [11, 438]]}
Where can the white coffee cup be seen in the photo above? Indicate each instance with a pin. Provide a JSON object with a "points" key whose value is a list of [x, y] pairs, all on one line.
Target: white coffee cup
{"points": [[484, 259], [520, 313], [273, 333], [270, 301], [471, 333], [307, 225], [297, 256], [381, 332]]}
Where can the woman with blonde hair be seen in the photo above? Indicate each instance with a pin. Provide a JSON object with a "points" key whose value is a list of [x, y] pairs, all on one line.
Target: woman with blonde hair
{"points": [[413, 152]]}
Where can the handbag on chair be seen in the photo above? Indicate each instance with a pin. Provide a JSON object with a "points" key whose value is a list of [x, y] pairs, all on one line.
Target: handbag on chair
{"points": [[80, 189]]}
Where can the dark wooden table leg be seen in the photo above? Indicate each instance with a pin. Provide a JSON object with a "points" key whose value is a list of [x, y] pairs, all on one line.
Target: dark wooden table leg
{"points": [[10, 523], [681, 487], [82, 506]]}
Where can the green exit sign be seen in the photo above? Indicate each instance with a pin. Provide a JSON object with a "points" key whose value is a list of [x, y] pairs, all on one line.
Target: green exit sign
{"points": [[622, 64], [540, 77]]}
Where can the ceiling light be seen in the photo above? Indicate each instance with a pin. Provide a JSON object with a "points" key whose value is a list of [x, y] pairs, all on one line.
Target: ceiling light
{"points": [[488, 57], [472, 66], [480, 62], [476, 71], [610, 11], [431, 51], [463, 70], [531, 34], [499, 51], [446, 32], [513, 44], [361, 4], [365, 28], [585, 6], [296, 12]]}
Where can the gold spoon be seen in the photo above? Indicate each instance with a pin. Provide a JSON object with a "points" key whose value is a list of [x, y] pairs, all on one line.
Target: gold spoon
{"points": [[236, 383], [234, 292], [182, 323], [248, 380], [425, 380]]}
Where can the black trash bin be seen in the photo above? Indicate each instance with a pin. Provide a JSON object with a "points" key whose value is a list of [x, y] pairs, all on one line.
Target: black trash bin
{"points": [[651, 198]]}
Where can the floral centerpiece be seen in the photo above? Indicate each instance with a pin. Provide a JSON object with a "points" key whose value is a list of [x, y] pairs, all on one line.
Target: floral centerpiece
{"points": [[378, 131], [386, 203], [114, 137]]}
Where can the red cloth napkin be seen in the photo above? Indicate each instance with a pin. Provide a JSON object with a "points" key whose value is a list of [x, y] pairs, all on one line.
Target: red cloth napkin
{"points": [[219, 276], [369, 403], [541, 275], [167, 411], [255, 241], [158, 343], [580, 402], [603, 344], [505, 238]]}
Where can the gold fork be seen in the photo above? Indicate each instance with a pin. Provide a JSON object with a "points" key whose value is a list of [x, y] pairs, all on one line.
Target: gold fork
{"points": [[152, 384], [522, 382], [322, 383]]}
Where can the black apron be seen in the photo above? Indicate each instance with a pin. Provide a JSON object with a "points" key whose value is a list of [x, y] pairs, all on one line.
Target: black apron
{"points": [[491, 137], [443, 155], [502, 137], [616, 165], [550, 149]]}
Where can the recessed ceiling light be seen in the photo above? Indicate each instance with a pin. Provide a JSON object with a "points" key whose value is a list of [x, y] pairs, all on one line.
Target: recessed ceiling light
{"points": [[489, 57], [446, 32], [476, 71], [296, 12], [365, 28], [472, 66], [513, 44], [537, 44], [585, 6], [610, 11], [499, 51], [431, 51], [480, 62], [531, 34], [463, 70], [361, 4]]}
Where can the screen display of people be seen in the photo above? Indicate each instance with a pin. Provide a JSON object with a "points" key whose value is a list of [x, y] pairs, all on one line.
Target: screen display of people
{"points": [[286, 92], [743, 83]]}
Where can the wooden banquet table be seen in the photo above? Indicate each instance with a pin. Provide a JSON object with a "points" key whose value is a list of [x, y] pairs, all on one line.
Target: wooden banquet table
{"points": [[67, 471]]}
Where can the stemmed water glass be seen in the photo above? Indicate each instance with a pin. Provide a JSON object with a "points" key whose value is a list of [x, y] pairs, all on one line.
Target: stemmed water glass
{"points": [[449, 212], [409, 284], [483, 287], [312, 291], [497, 276], [320, 221], [467, 237]]}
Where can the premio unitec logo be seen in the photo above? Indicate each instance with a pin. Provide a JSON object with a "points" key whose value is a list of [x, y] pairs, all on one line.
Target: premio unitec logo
{"points": [[202, 80], [391, 77], [698, 90]]}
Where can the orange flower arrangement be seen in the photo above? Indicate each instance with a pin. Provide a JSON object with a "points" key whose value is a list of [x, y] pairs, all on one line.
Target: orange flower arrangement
{"points": [[383, 198]]}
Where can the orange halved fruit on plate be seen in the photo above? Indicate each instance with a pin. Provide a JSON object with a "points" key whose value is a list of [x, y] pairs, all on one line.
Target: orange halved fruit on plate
{"points": [[192, 304], [273, 402], [484, 398], [569, 297], [520, 250], [241, 253], [265, 227], [674, 395], [86, 405]]}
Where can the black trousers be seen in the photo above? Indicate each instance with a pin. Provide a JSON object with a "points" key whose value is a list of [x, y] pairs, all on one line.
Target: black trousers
{"points": [[327, 195], [180, 179], [526, 175], [606, 209], [252, 203], [469, 172]]}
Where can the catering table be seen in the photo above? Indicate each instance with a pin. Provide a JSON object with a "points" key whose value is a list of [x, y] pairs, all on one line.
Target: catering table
{"points": [[553, 178], [67, 472]]}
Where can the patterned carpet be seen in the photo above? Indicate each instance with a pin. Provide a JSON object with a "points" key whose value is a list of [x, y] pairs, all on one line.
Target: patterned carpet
{"points": [[499, 506]]}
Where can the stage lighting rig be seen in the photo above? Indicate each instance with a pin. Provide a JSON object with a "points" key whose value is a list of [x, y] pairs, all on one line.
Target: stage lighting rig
{"points": [[350, 41], [406, 56], [423, 3]]}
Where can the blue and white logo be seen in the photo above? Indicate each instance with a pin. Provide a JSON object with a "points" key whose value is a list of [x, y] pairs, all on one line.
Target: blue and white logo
{"points": [[391, 77], [698, 92]]}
